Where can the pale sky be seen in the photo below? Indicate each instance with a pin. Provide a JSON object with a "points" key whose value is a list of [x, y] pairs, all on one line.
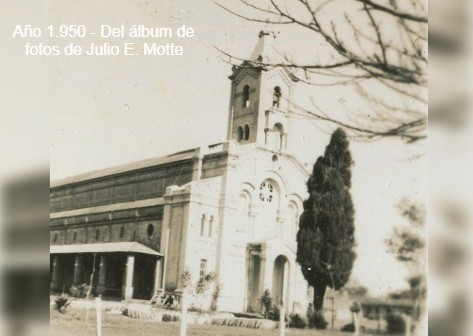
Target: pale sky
{"points": [[105, 111]]}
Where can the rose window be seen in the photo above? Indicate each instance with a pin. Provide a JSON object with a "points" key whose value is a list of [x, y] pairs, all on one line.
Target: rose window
{"points": [[266, 192]]}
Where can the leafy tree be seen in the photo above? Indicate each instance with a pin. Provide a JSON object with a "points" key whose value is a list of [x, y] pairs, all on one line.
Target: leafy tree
{"points": [[371, 46], [355, 290], [407, 243], [325, 240]]}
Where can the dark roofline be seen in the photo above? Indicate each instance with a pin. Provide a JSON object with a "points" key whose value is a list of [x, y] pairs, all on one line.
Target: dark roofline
{"points": [[135, 166]]}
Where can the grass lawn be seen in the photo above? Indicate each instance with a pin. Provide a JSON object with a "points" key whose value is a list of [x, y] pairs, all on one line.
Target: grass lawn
{"points": [[73, 323]]}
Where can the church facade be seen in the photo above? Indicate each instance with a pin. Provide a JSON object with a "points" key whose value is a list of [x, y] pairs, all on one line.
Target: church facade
{"points": [[229, 209]]}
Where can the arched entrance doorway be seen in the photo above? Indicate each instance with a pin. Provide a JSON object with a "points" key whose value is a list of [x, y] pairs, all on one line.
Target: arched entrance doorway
{"points": [[280, 280]]}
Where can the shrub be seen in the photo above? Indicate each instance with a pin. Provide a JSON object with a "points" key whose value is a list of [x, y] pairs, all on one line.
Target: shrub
{"points": [[79, 291], [204, 283], [171, 308], [61, 304], [267, 302], [186, 279], [215, 294], [395, 323], [274, 313], [170, 318], [317, 320], [348, 328], [194, 309], [297, 321]]}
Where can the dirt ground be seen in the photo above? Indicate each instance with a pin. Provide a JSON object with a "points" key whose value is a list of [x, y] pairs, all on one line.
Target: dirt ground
{"points": [[75, 323]]}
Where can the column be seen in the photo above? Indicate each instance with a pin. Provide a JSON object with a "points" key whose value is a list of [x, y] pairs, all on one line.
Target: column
{"points": [[102, 274], [54, 285], [262, 275], [77, 270], [130, 266], [158, 276]]}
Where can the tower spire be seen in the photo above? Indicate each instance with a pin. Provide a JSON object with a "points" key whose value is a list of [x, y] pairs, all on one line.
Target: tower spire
{"points": [[266, 50], [260, 96]]}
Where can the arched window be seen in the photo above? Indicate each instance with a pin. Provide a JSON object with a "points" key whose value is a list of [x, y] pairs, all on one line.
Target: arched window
{"points": [[244, 212], [246, 132], [97, 234], [240, 133], [122, 232], [246, 96], [277, 141], [276, 96], [202, 226], [211, 225], [150, 230], [293, 218]]}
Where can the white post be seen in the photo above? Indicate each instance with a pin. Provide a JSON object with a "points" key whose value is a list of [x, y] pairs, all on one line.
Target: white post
{"points": [[55, 273], [282, 322], [130, 267], [98, 307], [407, 319], [165, 264], [158, 276], [183, 331], [356, 323]]}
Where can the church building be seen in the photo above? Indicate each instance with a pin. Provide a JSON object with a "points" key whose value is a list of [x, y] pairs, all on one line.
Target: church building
{"points": [[229, 209]]}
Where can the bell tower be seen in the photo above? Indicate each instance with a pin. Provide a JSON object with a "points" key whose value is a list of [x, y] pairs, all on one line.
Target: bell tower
{"points": [[260, 96]]}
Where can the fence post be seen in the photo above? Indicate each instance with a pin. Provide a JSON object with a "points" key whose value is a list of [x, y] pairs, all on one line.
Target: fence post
{"points": [[282, 321], [183, 331], [355, 309], [98, 308], [407, 319], [356, 323]]}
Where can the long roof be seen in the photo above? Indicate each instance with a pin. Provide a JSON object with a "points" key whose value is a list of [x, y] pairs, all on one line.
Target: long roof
{"points": [[387, 302], [156, 161], [130, 247]]}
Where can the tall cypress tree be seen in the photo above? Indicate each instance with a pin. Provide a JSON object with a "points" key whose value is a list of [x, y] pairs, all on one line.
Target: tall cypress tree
{"points": [[325, 240]]}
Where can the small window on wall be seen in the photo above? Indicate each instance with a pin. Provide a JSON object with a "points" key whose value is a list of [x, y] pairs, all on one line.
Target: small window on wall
{"points": [[276, 96], [293, 218], [202, 226], [203, 268], [244, 209], [122, 232], [246, 132], [239, 133], [74, 236], [55, 237], [97, 234], [150, 230], [246, 96], [211, 225]]}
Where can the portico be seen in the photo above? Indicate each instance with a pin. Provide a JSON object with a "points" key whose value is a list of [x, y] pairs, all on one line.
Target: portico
{"points": [[115, 270], [270, 265]]}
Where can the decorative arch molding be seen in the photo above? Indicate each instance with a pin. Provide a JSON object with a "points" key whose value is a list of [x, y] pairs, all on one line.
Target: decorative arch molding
{"points": [[296, 200], [249, 188], [280, 181], [288, 259], [281, 74], [245, 204], [253, 73]]}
